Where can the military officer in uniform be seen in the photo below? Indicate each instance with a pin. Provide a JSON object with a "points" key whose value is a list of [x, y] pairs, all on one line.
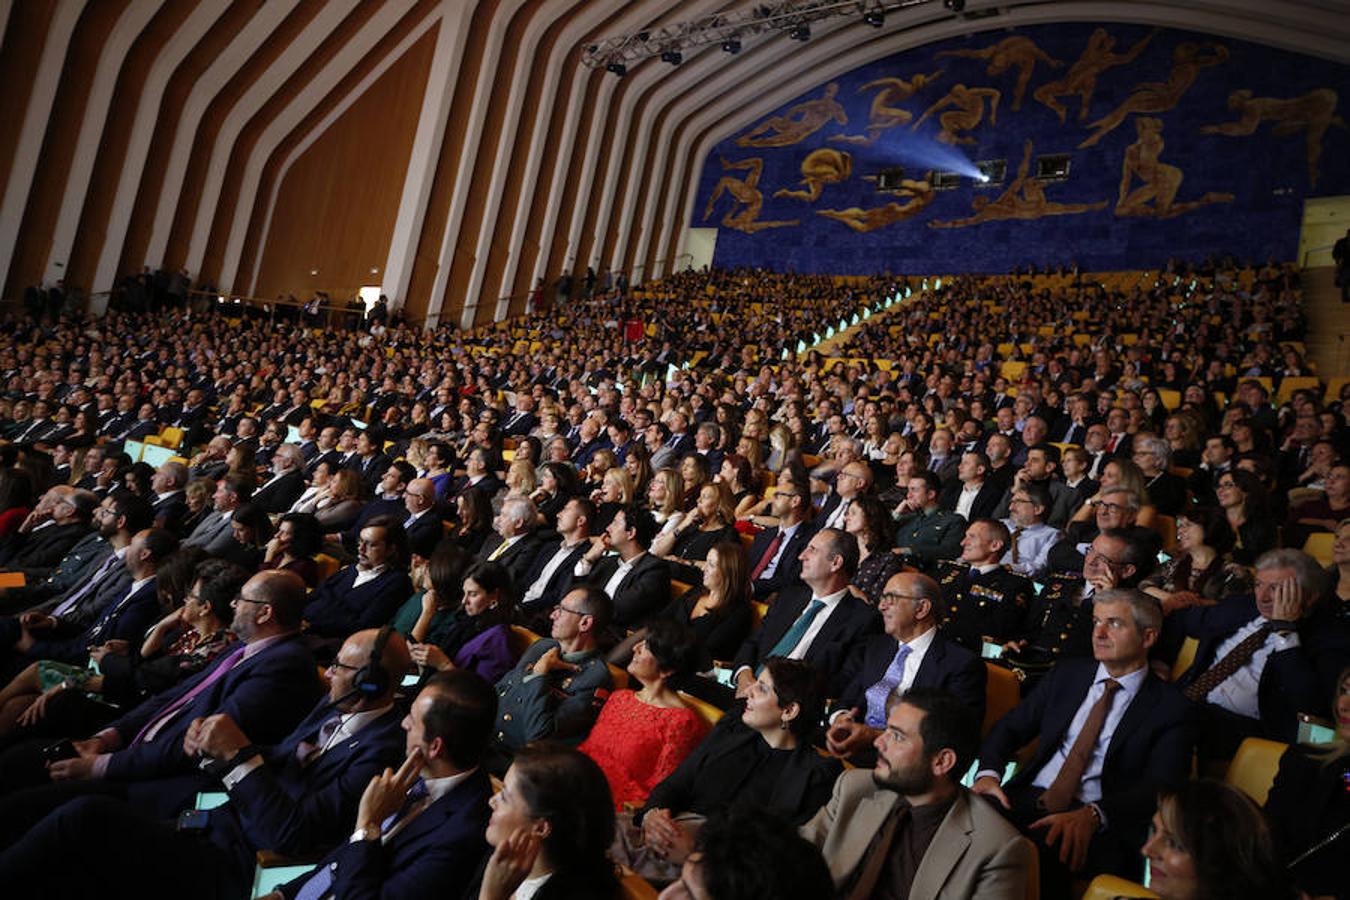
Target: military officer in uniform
{"points": [[560, 683], [924, 533], [1060, 621], [981, 599]]}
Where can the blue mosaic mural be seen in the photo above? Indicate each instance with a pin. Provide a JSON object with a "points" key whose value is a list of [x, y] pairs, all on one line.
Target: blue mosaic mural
{"points": [[1175, 143]]}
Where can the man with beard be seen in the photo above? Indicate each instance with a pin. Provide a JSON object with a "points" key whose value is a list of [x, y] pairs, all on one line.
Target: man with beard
{"points": [[907, 828]]}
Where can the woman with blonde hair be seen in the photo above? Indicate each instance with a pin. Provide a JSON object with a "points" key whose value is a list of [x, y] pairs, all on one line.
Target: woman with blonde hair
{"points": [[615, 492], [665, 499], [712, 521]]}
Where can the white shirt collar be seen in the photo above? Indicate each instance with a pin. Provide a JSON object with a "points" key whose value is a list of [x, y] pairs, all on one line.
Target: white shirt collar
{"points": [[831, 600], [921, 643], [439, 787]]}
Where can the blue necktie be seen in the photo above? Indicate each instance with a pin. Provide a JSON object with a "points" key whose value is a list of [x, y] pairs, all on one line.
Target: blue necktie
{"points": [[320, 884], [789, 641], [877, 693]]}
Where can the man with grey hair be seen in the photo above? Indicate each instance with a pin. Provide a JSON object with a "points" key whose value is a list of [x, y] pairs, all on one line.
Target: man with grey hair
{"points": [[423, 524], [287, 483], [1111, 734], [1263, 659], [170, 502], [513, 543], [1113, 507]]}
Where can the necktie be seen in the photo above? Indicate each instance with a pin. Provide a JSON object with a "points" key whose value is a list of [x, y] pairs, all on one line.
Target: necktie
{"points": [[789, 641], [94, 582], [152, 728], [877, 693], [837, 517], [320, 884], [768, 556], [1016, 549], [1064, 788], [1218, 673], [1111, 445], [501, 548], [306, 752]]}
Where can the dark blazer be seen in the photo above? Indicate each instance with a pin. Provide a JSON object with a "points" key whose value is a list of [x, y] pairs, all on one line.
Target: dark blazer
{"points": [[1151, 747], [946, 665], [711, 778], [372, 469], [489, 484], [519, 424], [377, 507], [296, 809], [1167, 493], [336, 609], [278, 496], [644, 592], [79, 563], [332, 457], [986, 500], [789, 569], [851, 622], [1298, 680], [441, 846], [425, 533], [518, 559], [170, 512], [123, 618], [44, 548], [561, 581], [265, 694], [827, 508]]}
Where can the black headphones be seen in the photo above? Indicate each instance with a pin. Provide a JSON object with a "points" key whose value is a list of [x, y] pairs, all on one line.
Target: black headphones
{"points": [[371, 680]]}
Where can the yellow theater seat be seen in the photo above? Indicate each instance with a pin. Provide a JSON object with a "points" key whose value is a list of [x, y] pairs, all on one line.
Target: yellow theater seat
{"points": [[1253, 768], [1108, 887], [1318, 546], [705, 710], [1002, 691]]}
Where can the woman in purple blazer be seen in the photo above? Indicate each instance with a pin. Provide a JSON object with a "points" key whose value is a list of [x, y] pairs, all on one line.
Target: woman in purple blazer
{"points": [[478, 636]]}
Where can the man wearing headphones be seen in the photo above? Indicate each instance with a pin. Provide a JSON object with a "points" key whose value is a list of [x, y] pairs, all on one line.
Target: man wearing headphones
{"points": [[298, 797]]}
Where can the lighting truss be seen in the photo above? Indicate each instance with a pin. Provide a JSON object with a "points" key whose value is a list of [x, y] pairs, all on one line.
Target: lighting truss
{"points": [[730, 28]]}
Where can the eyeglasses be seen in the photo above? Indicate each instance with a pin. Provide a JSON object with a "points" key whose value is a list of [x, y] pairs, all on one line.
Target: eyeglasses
{"points": [[338, 665], [1111, 507], [251, 600], [575, 612], [895, 597]]}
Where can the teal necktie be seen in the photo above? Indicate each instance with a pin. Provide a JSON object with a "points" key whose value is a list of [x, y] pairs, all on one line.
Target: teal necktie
{"points": [[794, 634]]}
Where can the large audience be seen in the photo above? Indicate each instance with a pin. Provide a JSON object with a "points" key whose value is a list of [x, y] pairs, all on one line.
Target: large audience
{"points": [[739, 584]]}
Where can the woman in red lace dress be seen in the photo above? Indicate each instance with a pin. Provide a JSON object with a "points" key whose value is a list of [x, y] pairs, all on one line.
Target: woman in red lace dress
{"points": [[640, 737]]}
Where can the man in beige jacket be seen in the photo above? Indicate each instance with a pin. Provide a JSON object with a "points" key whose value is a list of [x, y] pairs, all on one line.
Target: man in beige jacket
{"points": [[908, 829]]}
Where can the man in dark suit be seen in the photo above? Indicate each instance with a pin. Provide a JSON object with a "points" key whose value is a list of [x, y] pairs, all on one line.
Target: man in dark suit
{"points": [[420, 828], [266, 683], [388, 501], [971, 494], [421, 522], [911, 653], [364, 595], [820, 622], [982, 599], [637, 582], [1264, 659], [477, 474], [296, 797], [522, 421], [1111, 735], [512, 543], [170, 502], [55, 525], [550, 575], [287, 482], [775, 553], [214, 532], [1120, 443], [853, 480], [370, 460]]}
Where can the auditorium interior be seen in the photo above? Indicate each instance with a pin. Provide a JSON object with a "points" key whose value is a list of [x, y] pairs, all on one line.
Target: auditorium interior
{"points": [[680, 449]]}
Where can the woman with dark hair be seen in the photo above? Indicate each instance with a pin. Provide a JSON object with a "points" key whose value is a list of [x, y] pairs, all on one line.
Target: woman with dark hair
{"points": [[558, 483], [478, 637], [298, 539], [761, 760], [1201, 572], [739, 478], [1210, 842], [440, 460], [551, 829], [16, 499], [346, 497], [251, 530], [868, 520], [695, 471], [137, 480], [1246, 504], [474, 509], [638, 464], [642, 736], [1309, 805], [428, 615]]}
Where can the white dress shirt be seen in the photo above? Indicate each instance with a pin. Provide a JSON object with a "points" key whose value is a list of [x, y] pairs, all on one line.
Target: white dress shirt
{"points": [[1090, 790], [787, 531], [1239, 692], [546, 575]]}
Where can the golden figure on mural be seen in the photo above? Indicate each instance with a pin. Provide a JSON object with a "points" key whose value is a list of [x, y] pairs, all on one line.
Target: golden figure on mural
{"points": [[885, 113], [1155, 97], [920, 194], [1081, 79], [1024, 199], [1014, 51], [744, 191], [821, 167], [1160, 181], [1315, 111], [969, 103], [798, 123]]}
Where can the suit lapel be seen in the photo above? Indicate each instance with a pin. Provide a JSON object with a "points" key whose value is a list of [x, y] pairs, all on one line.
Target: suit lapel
{"points": [[949, 844]]}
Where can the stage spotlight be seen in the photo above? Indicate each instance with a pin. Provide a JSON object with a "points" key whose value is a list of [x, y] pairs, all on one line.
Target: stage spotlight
{"points": [[982, 178], [732, 46], [800, 33], [617, 68], [672, 56], [876, 18], [955, 6]]}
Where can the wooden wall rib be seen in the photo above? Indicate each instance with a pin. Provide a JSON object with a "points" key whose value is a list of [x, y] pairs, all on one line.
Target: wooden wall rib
{"points": [[427, 261], [180, 86], [58, 145], [557, 248], [326, 220], [25, 38], [185, 214], [112, 150]]}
